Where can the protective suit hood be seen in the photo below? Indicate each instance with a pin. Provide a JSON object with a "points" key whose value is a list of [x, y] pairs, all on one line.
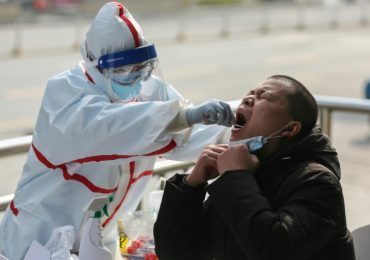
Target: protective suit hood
{"points": [[112, 30]]}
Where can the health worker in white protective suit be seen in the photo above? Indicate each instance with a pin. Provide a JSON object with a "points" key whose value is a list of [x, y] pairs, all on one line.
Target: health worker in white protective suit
{"points": [[100, 128]]}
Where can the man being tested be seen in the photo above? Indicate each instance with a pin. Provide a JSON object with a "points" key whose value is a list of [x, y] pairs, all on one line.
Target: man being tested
{"points": [[281, 202], [100, 128]]}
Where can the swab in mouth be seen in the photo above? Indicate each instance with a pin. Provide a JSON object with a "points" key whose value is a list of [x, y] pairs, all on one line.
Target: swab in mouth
{"points": [[236, 126]]}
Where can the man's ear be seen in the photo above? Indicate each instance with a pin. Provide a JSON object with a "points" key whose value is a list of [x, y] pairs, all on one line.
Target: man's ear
{"points": [[292, 129]]}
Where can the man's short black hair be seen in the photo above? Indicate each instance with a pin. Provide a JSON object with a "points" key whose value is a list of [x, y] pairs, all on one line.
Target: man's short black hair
{"points": [[302, 105]]}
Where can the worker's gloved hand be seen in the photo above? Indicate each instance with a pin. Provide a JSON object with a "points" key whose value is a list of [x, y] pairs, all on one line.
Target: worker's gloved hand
{"points": [[211, 112]]}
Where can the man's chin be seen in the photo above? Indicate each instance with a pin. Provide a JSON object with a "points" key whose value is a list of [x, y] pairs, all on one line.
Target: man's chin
{"points": [[240, 134], [237, 133], [236, 136]]}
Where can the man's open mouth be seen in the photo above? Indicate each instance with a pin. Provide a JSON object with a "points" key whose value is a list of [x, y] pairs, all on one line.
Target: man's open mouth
{"points": [[240, 121]]}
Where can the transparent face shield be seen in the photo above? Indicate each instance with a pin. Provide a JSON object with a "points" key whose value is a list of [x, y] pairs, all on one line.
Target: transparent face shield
{"points": [[128, 75], [155, 88], [128, 70]]}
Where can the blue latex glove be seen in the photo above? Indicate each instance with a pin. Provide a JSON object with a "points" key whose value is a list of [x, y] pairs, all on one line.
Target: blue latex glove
{"points": [[211, 112]]}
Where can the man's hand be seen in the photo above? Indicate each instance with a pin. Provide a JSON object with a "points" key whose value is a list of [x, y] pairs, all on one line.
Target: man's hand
{"points": [[211, 112], [206, 167], [237, 158]]}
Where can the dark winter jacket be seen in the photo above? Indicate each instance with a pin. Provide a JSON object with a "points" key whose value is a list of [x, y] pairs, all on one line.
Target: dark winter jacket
{"points": [[292, 208]]}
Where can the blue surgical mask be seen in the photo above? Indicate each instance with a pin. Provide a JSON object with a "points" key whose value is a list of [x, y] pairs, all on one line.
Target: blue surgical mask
{"points": [[254, 144], [126, 92]]}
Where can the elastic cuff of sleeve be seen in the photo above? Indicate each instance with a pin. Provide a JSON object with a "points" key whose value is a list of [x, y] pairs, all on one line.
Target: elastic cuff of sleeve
{"points": [[179, 122], [186, 187]]}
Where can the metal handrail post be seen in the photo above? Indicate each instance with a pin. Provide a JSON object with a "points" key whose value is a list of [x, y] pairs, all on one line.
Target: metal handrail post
{"points": [[334, 14], [325, 120], [364, 20], [264, 18], [18, 36], [225, 26], [78, 32], [301, 15]]}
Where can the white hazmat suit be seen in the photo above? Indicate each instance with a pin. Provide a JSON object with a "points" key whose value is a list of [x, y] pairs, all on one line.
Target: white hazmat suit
{"points": [[87, 143]]}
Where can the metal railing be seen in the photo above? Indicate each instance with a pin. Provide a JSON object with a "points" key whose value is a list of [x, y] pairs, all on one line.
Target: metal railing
{"points": [[160, 169], [327, 106], [330, 104]]}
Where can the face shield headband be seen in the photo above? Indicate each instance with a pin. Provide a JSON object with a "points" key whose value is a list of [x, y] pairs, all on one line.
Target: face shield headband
{"points": [[128, 57]]}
